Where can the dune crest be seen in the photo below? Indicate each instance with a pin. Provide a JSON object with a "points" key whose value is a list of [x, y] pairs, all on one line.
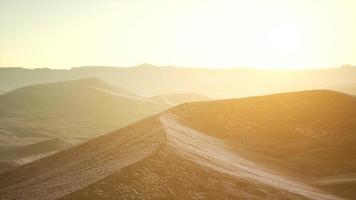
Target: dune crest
{"points": [[201, 148]]}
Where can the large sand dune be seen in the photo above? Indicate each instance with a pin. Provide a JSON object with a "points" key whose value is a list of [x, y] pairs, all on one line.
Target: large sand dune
{"points": [[270, 147]]}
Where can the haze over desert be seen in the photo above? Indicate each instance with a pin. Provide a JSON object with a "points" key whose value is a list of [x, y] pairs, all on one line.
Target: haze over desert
{"points": [[195, 99]]}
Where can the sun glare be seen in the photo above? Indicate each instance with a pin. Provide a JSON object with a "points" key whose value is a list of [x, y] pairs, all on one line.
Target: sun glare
{"points": [[256, 37], [284, 40], [225, 33]]}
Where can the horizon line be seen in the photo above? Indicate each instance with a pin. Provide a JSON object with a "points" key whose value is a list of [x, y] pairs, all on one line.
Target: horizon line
{"points": [[186, 67]]}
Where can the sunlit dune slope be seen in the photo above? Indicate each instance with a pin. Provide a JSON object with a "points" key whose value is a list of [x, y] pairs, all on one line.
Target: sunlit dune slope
{"points": [[284, 146], [316, 125]]}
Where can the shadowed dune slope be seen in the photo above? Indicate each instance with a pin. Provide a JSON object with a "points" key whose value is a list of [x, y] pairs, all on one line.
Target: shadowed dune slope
{"points": [[7, 166], [43, 147], [283, 146]]}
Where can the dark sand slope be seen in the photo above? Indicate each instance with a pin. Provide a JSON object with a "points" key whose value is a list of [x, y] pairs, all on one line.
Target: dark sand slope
{"points": [[25, 151], [271, 147], [7, 166]]}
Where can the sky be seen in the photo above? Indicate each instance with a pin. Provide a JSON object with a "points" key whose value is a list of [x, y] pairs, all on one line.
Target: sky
{"points": [[287, 34]]}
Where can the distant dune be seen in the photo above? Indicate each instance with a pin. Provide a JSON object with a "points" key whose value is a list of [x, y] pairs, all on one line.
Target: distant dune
{"points": [[75, 111], [89, 94], [283, 146]]}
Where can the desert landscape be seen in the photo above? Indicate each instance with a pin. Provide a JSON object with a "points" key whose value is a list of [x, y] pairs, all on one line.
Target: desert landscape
{"points": [[177, 100], [225, 149]]}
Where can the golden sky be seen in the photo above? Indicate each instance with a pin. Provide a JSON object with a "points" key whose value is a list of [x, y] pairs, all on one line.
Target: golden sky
{"points": [[284, 34]]}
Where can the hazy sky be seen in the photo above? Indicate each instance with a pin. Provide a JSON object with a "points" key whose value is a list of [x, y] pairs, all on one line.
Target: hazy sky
{"points": [[211, 33]]}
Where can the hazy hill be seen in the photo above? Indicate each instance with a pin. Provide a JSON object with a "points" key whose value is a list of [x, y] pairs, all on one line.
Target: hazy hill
{"points": [[73, 111], [88, 94], [150, 80], [286, 146]]}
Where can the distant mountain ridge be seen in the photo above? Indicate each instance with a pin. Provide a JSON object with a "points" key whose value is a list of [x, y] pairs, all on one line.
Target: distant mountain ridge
{"points": [[150, 80]]}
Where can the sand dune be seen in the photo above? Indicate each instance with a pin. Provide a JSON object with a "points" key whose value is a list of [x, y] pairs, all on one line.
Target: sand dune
{"points": [[211, 152], [73, 111], [207, 150], [76, 95]]}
